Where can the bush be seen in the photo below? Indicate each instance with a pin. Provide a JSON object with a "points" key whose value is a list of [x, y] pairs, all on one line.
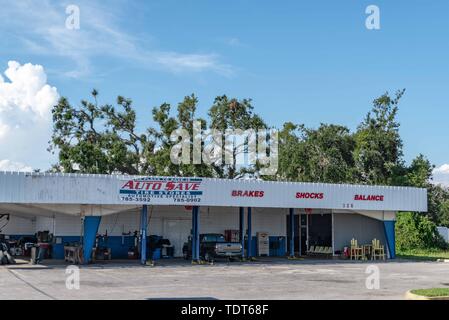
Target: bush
{"points": [[417, 231]]}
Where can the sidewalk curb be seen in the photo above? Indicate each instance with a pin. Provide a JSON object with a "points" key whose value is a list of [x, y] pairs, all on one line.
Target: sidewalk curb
{"points": [[411, 296]]}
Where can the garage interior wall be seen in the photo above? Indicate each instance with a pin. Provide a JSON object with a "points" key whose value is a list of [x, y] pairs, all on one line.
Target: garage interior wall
{"points": [[171, 222], [20, 226], [353, 225], [212, 219], [174, 223]]}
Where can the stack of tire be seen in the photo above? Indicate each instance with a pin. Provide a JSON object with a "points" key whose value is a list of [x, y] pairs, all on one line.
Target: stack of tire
{"points": [[5, 257]]}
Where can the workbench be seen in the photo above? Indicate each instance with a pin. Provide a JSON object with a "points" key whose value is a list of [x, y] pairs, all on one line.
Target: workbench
{"points": [[73, 254]]}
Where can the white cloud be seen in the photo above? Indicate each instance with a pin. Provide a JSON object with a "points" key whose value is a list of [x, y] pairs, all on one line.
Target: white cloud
{"points": [[8, 165], [41, 25], [25, 117], [443, 169], [4, 128], [441, 175]]}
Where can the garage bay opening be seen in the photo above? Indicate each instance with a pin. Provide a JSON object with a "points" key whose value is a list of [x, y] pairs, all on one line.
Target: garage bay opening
{"points": [[311, 231]]}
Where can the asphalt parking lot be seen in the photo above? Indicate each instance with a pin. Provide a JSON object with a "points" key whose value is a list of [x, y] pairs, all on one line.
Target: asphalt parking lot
{"points": [[264, 279]]}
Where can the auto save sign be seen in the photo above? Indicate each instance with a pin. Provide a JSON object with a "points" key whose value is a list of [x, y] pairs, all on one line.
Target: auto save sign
{"points": [[162, 190]]}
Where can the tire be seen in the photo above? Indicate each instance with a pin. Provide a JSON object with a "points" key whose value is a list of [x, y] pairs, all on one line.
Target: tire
{"points": [[3, 259], [209, 257], [10, 259]]}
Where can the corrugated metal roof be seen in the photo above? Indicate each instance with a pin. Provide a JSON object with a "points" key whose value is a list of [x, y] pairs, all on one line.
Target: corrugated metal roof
{"points": [[64, 188]]}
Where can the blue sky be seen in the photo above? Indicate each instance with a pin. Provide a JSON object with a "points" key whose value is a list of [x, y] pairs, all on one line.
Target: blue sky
{"points": [[301, 61]]}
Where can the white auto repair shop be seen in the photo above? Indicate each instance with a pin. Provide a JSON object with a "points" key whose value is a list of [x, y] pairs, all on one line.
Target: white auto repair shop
{"points": [[135, 217]]}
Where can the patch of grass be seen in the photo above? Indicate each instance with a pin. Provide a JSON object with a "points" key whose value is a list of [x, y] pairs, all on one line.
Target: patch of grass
{"points": [[423, 254], [433, 292]]}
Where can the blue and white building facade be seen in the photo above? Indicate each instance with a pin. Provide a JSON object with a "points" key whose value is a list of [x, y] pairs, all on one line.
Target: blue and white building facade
{"points": [[74, 206]]}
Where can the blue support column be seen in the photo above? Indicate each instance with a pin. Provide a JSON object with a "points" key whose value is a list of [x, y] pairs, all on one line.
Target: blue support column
{"points": [[242, 229], [90, 226], [193, 233], [292, 232], [143, 235], [248, 249], [389, 227], [196, 233]]}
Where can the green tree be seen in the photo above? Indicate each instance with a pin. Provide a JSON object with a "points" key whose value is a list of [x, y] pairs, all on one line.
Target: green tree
{"points": [[186, 114], [328, 151], [416, 231], [420, 172], [316, 155], [233, 114], [444, 213], [291, 164], [378, 151], [98, 139], [437, 197]]}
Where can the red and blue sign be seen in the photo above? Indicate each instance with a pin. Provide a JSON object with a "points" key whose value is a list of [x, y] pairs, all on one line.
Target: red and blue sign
{"points": [[180, 190]]}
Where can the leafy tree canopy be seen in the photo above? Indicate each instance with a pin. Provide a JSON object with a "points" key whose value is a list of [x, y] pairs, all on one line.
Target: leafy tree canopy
{"points": [[103, 138]]}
